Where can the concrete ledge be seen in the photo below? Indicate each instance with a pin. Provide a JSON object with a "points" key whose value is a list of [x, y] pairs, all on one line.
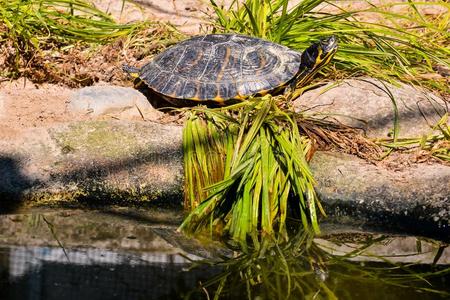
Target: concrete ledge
{"points": [[124, 162]]}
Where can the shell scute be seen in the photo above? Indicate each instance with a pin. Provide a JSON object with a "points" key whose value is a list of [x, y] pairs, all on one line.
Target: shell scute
{"points": [[192, 64], [191, 90], [208, 91], [217, 38], [174, 86], [159, 81]]}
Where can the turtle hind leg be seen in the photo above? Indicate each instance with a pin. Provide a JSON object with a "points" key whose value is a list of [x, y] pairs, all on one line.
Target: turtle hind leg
{"points": [[130, 70]]}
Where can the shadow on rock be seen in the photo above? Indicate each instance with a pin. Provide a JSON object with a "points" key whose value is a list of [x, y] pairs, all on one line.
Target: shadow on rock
{"points": [[12, 184], [142, 179]]}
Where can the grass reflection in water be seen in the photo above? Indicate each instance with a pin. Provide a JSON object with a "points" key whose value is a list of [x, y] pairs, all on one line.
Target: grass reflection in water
{"points": [[302, 269]]}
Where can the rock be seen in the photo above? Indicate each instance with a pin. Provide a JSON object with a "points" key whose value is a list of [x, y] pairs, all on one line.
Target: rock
{"points": [[415, 199], [112, 101], [141, 163], [99, 161], [123, 162], [364, 103]]}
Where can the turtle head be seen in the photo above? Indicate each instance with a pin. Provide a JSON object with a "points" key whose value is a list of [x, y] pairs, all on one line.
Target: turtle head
{"points": [[314, 58], [319, 54]]}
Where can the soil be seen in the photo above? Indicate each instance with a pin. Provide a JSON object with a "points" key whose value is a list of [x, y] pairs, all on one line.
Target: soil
{"points": [[29, 105], [24, 104]]}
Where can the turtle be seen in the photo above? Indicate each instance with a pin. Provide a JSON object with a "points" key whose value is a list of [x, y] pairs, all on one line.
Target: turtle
{"points": [[225, 68]]}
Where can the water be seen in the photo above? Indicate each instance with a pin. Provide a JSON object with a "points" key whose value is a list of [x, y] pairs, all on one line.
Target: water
{"points": [[46, 273], [135, 254]]}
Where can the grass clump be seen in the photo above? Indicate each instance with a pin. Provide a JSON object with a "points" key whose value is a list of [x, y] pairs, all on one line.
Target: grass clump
{"points": [[67, 41], [244, 165], [34, 25], [247, 173], [377, 40], [31, 22]]}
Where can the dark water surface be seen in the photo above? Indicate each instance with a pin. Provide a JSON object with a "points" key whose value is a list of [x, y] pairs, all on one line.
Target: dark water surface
{"points": [[125, 254], [45, 273]]}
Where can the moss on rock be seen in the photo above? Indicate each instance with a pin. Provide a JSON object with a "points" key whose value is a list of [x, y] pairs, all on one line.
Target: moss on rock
{"points": [[96, 138]]}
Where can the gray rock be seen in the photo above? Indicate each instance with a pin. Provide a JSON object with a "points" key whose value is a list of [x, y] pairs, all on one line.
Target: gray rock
{"points": [[415, 199], [364, 103], [101, 161], [112, 101]]}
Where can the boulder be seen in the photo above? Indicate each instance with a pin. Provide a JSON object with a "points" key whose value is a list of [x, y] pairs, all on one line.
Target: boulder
{"points": [[141, 163], [112, 101], [415, 199], [93, 162], [365, 103]]}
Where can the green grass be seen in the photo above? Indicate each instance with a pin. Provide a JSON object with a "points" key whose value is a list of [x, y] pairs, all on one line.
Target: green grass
{"points": [[396, 46], [246, 170], [37, 21], [244, 166], [33, 24]]}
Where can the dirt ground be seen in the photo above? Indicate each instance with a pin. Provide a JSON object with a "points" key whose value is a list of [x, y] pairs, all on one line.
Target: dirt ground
{"points": [[24, 104]]}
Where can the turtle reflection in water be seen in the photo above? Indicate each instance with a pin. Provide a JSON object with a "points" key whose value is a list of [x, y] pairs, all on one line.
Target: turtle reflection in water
{"points": [[225, 68]]}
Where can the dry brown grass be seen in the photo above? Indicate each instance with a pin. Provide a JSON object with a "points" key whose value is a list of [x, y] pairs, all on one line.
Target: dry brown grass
{"points": [[85, 64]]}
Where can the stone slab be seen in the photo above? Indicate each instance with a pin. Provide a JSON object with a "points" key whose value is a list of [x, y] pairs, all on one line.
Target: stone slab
{"points": [[365, 103]]}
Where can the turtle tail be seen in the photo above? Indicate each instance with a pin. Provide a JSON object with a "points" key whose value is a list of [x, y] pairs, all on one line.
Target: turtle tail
{"points": [[130, 70]]}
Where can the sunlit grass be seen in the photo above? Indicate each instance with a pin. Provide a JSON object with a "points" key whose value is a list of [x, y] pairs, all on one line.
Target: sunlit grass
{"points": [[37, 20], [244, 165], [395, 46], [33, 24]]}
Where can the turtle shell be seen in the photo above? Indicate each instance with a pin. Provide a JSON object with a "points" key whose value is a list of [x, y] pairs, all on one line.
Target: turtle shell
{"points": [[220, 67]]}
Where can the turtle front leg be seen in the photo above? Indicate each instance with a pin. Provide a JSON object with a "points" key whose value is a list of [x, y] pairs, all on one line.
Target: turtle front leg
{"points": [[291, 92]]}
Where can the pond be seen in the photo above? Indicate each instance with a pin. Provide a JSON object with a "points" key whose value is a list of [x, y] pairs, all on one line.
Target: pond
{"points": [[137, 254]]}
